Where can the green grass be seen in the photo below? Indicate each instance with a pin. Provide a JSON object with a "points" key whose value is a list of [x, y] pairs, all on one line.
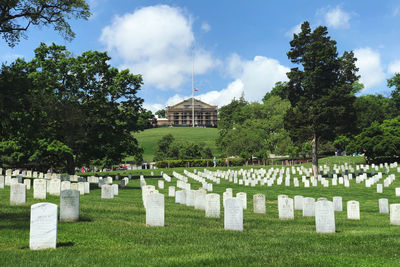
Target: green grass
{"points": [[148, 138], [113, 232]]}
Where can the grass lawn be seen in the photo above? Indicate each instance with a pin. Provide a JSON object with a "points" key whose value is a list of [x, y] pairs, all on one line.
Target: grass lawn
{"points": [[148, 138], [112, 232]]}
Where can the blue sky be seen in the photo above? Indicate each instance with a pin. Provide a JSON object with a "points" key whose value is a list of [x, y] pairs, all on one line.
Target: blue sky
{"points": [[239, 46]]}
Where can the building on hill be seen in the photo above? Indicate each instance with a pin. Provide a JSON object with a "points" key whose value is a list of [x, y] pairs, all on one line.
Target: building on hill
{"points": [[180, 114]]}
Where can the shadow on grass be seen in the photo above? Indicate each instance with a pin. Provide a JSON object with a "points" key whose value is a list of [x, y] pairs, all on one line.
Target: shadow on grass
{"points": [[131, 188], [85, 219], [64, 244]]}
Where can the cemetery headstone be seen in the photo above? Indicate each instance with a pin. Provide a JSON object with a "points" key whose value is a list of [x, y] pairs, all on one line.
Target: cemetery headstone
{"points": [[353, 210], [395, 214], [233, 214], [308, 207], [213, 205], [298, 202], [337, 204], [171, 191], [285, 207], [17, 194], [43, 227], [39, 189], [259, 203], [243, 197], [155, 210], [107, 191], [324, 217], [69, 205], [383, 205]]}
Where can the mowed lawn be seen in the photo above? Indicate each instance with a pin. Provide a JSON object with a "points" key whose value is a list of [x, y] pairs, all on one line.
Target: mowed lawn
{"points": [[112, 232], [148, 138]]}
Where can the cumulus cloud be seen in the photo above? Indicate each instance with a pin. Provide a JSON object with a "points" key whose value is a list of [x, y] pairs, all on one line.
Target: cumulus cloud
{"points": [[258, 75], [295, 30], [205, 27], [370, 67], [337, 18], [253, 78], [394, 67], [156, 41]]}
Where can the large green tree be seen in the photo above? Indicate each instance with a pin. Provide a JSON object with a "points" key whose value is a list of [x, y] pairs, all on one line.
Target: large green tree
{"points": [[395, 83], [61, 110], [17, 16], [321, 90], [253, 128]]}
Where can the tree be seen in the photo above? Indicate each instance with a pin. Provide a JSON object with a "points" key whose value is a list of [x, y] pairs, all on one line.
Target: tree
{"points": [[378, 140], [280, 89], [370, 108], [163, 146], [160, 113], [16, 16], [253, 128], [395, 82], [146, 119], [321, 92], [61, 110]]}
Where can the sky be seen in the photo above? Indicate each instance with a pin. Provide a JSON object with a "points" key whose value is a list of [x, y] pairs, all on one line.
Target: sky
{"points": [[233, 47]]}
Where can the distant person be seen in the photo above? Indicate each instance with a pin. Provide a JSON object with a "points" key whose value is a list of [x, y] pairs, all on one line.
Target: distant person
{"points": [[227, 162], [82, 170], [215, 161]]}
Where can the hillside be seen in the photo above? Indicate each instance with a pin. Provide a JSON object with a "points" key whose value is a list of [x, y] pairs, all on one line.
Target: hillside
{"points": [[148, 139]]}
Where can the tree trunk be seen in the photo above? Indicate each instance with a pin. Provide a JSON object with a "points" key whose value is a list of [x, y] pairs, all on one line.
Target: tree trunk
{"points": [[70, 165], [315, 156]]}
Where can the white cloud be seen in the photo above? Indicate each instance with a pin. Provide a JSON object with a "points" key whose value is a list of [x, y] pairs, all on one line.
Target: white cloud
{"points": [[337, 18], [258, 75], [218, 98], [157, 42], [394, 67], [295, 30], [253, 78], [153, 107], [370, 67], [205, 27]]}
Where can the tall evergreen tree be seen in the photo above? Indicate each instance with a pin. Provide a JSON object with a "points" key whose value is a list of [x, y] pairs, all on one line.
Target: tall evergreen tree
{"points": [[321, 91]]}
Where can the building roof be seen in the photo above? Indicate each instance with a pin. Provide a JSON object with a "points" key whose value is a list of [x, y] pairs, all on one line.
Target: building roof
{"points": [[188, 102]]}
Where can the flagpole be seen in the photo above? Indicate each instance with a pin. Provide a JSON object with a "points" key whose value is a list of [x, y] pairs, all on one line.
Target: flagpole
{"points": [[193, 86]]}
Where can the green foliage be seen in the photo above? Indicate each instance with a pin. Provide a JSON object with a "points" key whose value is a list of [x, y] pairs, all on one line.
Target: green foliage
{"points": [[168, 148], [16, 16], [378, 140], [341, 142], [395, 82], [160, 113], [370, 108], [280, 89], [69, 110], [198, 163], [146, 119], [253, 128], [149, 138]]}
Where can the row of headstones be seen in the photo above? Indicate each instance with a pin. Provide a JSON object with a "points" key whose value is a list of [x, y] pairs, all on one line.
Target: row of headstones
{"points": [[42, 187]]}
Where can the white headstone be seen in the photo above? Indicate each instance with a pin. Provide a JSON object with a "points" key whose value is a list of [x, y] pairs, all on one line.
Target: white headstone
{"points": [[225, 196], [7, 180], [395, 214], [69, 205], [243, 197], [74, 186], [54, 187], [171, 191], [200, 199], [107, 191], [1, 181], [383, 205], [213, 205], [43, 228], [337, 204], [17, 194], [298, 202], [379, 188], [308, 207], [180, 197], [161, 184], [155, 210], [27, 183], [190, 198], [324, 217], [233, 214], [397, 190], [353, 210], [87, 187], [285, 207], [39, 189], [259, 203], [115, 189], [81, 188]]}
